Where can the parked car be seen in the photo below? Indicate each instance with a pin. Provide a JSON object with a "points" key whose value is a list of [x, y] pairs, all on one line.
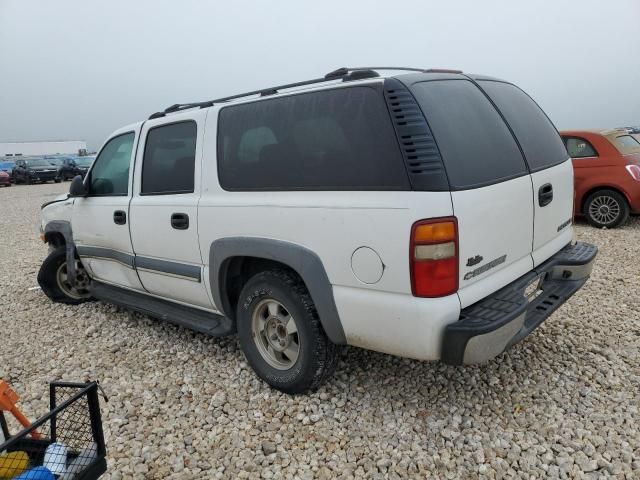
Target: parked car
{"points": [[31, 170], [5, 179], [70, 167], [425, 214], [7, 166], [83, 164], [606, 167]]}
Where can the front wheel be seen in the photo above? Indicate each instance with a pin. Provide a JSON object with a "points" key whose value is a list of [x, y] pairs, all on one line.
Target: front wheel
{"points": [[54, 280], [281, 335], [606, 208]]}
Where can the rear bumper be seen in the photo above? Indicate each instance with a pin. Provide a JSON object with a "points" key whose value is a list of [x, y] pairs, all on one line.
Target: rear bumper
{"points": [[492, 325]]}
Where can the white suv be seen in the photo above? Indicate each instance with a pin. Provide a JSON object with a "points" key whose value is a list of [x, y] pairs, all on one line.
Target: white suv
{"points": [[421, 213]]}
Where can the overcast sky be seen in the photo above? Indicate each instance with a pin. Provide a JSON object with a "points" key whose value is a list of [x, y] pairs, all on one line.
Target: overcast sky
{"points": [[78, 69]]}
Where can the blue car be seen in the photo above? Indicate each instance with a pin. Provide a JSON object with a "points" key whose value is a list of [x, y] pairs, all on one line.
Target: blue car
{"points": [[7, 166]]}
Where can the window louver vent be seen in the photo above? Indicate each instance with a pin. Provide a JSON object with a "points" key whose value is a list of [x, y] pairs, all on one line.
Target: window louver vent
{"points": [[419, 150]]}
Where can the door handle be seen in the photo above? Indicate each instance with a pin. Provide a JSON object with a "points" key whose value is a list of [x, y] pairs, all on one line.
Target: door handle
{"points": [[119, 217], [545, 194], [180, 221]]}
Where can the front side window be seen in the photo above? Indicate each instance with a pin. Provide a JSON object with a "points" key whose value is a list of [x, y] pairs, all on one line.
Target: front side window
{"points": [[339, 139], [110, 174], [579, 147], [169, 159]]}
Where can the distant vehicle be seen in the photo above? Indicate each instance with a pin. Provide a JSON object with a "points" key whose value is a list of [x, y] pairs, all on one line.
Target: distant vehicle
{"points": [[7, 165], [34, 170], [606, 166], [73, 166], [5, 179]]}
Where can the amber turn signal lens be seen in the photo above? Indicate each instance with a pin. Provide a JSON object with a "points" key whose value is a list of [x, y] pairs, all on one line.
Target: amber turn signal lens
{"points": [[434, 232]]}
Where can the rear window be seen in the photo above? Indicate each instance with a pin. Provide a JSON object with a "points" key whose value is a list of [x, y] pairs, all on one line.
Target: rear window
{"points": [[539, 139], [476, 146], [626, 144], [328, 140]]}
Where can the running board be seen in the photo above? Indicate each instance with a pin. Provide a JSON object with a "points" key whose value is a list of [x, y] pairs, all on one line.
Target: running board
{"points": [[188, 317]]}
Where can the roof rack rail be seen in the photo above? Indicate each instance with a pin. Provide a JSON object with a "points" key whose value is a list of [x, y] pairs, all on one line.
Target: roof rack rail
{"points": [[345, 74]]}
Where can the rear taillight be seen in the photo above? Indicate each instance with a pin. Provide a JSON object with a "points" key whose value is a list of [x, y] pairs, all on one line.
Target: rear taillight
{"points": [[634, 171], [434, 257]]}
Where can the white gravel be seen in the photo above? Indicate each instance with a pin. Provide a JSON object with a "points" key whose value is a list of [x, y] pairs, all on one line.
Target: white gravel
{"points": [[563, 403]]}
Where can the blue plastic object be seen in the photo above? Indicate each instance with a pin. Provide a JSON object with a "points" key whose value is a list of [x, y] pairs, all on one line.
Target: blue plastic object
{"points": [[38, 473]]}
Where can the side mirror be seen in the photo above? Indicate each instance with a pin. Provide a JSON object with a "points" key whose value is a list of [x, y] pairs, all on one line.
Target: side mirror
{"points": [[77, 188]]}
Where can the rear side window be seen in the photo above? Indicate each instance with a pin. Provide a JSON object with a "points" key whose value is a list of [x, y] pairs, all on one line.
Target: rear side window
{"points": [[579, 147], [169, 159], [476, 146], [328, 140], [539, 139], [626, 144]]}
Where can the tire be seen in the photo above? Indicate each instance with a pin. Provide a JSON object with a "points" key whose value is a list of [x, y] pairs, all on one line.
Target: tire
{"points": [[288, 372], [57, 180], [51, 279], [606, 208], [27, 180]]}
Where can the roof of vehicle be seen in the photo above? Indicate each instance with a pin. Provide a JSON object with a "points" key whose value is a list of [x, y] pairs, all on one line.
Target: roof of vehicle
{"points": [[337, 77], [605, 132]]}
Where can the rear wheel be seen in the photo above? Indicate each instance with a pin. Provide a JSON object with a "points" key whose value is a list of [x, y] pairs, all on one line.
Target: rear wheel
{"points": [[606, 208], [281, 335], [55, 283]]}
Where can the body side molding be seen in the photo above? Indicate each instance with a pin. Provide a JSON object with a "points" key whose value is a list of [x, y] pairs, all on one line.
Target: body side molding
{"points": [[303, 261]]}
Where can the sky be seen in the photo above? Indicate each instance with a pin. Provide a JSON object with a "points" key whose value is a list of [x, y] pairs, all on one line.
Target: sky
{"points": [[77, 69]]}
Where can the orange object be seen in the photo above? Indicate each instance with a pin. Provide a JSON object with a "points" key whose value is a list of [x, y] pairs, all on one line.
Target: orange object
{"points": [[8, 400]]}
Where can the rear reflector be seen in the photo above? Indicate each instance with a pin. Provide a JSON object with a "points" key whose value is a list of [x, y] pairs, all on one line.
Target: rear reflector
{"points": [[434, 257]]}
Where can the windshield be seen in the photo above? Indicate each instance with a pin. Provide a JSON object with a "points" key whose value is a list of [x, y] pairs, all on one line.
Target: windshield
{"points": [[84, 162], [55, 161], [40, 162]]}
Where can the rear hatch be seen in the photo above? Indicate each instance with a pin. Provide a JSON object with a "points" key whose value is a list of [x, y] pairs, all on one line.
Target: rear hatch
{"points": [[502, 228], [549, 164]]}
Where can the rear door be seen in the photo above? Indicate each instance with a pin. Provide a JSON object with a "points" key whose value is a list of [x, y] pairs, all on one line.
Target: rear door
{"points": [[549, 163], [491, 189], [164, 209]]}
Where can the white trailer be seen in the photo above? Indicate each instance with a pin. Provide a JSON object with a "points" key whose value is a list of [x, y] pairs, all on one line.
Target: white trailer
{"points": [[10, 149]]}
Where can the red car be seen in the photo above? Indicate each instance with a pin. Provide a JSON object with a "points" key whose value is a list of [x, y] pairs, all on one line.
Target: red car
{"points": [[5, 179], [606, 169]]}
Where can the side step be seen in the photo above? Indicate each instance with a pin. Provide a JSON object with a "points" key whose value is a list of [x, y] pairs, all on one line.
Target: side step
{"points": [[192, 318]]}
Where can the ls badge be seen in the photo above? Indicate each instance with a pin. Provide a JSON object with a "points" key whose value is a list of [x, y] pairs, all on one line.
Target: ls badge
{"points": [[471, 261]]}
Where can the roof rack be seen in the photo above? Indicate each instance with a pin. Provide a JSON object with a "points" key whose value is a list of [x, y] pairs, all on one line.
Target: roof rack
{"points": [[345, 74]]}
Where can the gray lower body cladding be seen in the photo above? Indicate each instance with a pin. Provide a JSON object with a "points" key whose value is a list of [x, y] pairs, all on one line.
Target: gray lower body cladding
{"points": [[501, 320]]}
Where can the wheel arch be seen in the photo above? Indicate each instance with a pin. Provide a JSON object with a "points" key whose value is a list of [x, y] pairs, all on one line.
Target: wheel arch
{"points": [[228, 256], [60, 231], [598, 188]]}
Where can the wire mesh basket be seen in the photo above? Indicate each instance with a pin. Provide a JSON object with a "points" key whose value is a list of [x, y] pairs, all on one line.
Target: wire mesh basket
{"points": [[67, 443]]}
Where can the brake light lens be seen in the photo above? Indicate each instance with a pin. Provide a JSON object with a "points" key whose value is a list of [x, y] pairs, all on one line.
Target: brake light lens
{"points": [[634, 171], [434, 257]]}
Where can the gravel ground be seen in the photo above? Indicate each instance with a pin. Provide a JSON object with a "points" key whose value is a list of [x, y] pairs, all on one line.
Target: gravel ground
{"points": [[563, 403]]}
